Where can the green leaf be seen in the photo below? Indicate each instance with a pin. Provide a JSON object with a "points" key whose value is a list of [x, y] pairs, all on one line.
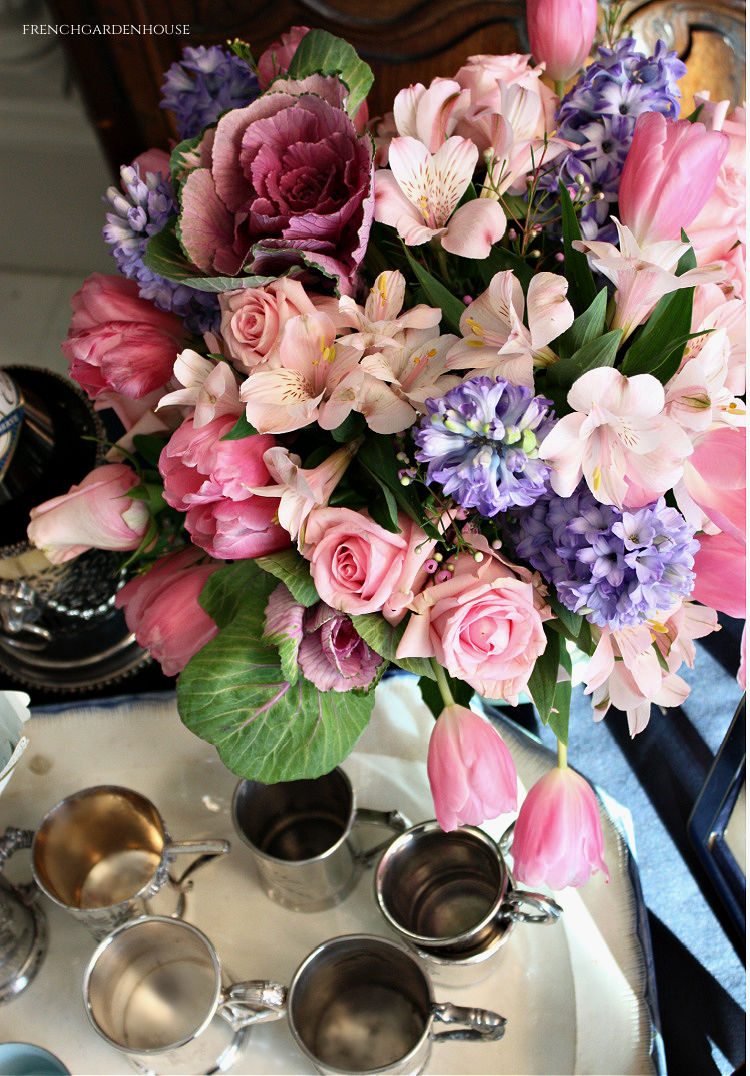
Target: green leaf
{"points": [[559, 718], [181, 158], [321, 53], [543, 679], [241, 429], [499, 260], [384, 510], [587, 327], [438, 295], [222, 596], [352, 426], [233, 694], [662, 339], [165, 256], [559, 378], [384, 638], [582, 291], [149, 446], [570, 621], [294, 572], [151, 494], [378, 459]]}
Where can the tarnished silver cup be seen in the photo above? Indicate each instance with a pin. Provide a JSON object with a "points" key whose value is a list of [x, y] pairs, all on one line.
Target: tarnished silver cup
{"points": [[362, 1004], [301, 835], [103, 853], [154, 990], [452, 899]]}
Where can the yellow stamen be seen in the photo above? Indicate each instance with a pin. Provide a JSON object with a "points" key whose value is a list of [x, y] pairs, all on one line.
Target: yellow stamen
{"points": [[597, 477]]}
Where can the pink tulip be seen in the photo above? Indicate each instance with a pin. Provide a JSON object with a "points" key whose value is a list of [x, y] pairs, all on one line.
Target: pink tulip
{"points": [[163, 612], [561, 33], [720, 566], [95, 514], [471, 771], [558, 835], [669, 174]]}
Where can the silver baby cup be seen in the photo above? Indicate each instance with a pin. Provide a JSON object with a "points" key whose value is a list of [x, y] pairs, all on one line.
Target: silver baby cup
{"points": [[362, 1004], [301, 837], [154, 990], [104, 852]]}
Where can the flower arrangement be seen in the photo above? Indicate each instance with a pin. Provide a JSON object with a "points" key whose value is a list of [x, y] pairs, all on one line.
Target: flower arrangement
{"points": [[456, 390]]}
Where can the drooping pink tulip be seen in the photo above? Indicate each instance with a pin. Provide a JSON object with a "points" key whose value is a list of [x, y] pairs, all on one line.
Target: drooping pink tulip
{"points": [[162, 609], [561, 33], [471, 771], [720, 570], [95, 514], [669, 174], [558, 838]]}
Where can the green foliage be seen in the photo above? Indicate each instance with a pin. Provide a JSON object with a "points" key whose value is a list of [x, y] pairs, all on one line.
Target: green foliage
{"points": [[242, 50], [321, 53], [438, 295], [599, 352], [233, 693], [433, 700], [294, 572], [586, 328], [241, 429], [582, 292], [384, 638], [378, 459], [165, 256]]}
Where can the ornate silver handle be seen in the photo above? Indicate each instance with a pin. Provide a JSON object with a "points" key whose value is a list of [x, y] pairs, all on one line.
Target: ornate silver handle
{"points": [[392, 820], [252, 1002], [471, 1024], [206, 850], [545, 909], [13, 839]]}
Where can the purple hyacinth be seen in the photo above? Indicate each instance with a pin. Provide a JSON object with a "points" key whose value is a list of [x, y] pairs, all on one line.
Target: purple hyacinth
{"points": [[204, 84], [480, 443], [617, 567], [141, 209], [599, 115]]}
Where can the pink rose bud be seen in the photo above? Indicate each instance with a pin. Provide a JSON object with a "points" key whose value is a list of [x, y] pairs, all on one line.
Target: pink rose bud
{"points": [[561, 33], [277, 57], [95, 514], [558, 835], [163, 612], [471, 771], [669, 174]]}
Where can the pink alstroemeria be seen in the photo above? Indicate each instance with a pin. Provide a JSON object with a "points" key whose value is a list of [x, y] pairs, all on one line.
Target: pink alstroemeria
{"points": [[318, 380], [398, 380], [697, 396], [420, 193], [299, 489], [557, 838], [619, 438], [626, 672], [210, 388], [495, 338], [471, 771], [642, 274], [712, 310], [381, 324]]}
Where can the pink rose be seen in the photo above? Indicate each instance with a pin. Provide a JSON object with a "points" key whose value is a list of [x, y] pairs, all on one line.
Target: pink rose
{"points": [[253, 320], [277, 57], [211, 480], [471, 771], [483, 624], [95, 514], [163, 612], [557, 840], [284, 183], [359, 567], [118, 342]]}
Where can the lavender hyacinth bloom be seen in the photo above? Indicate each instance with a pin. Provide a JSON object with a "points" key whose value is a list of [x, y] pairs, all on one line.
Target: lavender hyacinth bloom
{"points": [[480, 443], [617, 567], [141, 209], [599, 114], [204, 84]]}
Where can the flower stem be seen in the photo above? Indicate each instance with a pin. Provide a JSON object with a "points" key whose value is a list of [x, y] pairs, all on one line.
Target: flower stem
{"points": [[560, 88], [562, 755], [442, 683]]}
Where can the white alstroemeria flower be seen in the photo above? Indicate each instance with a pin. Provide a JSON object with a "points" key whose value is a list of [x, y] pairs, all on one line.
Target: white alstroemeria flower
{"points": [[381, 324], [209, 387]]}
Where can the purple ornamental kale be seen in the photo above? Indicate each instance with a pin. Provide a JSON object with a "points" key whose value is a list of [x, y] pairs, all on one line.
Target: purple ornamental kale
{"points": [[599, 114], [204, 84], [141, 209], [480, 443], [616, 567]]}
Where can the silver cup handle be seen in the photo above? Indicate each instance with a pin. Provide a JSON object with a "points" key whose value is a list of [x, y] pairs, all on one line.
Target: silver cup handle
{"points": [[206, 850], [544, 908], [392, 820], [12, 840], [470, 1024], [252, 1002]]}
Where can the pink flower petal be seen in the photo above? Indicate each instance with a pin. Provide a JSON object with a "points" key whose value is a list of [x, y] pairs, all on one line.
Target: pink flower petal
{"points": [[474, 227]]}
